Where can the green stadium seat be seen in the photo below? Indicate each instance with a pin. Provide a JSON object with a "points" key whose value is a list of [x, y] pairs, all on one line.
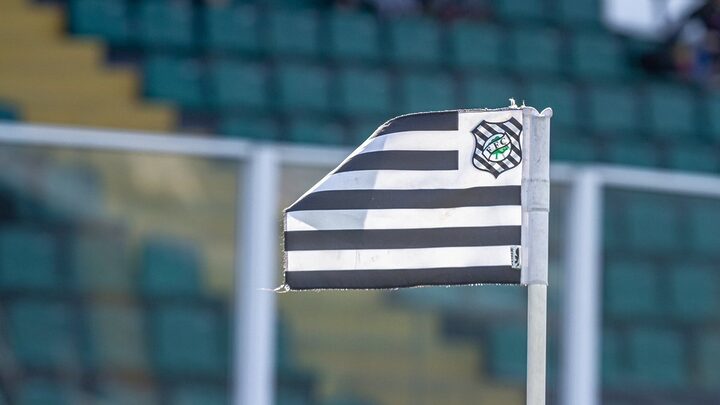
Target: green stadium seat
{"points": [[535, 50], [579, 13], [427, 92], [708, 360], [694, 292], [613, 110], [41, 334], [560, 95], [488, 91], [692, 156], [238, 85], [631, 290], [170, 267], [105, 19], [573, 149], [713, 118], [42, 392], [414, 41], [657, 358], [28, 260], [9, 112], [252, 127], [632, 153], [704, 224], [75, 192], [118, 391], [353, 37], [164, 24], [316, 131], [99, 263], [364, 92], [508, 357], [116, 338], [179, 81], [613, 372], [292, 33], [200, 395], [189, 339], [596, 55], [303, 88], [467, 38], [520, 10], [231, 28], [653, 224], [682, 123]]}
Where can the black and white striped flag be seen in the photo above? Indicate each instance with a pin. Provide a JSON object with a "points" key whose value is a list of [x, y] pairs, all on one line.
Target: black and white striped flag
{"points": [[429, 199]]}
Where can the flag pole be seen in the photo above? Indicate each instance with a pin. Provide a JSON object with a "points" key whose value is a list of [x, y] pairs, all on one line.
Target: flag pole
{"points": [[535, 207]]}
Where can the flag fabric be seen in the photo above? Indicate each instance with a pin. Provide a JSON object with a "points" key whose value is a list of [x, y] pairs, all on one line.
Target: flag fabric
{"points": [[429, 199]]}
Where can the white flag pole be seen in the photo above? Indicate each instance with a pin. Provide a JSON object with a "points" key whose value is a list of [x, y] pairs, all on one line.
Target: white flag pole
{"points": [[535, 207]]}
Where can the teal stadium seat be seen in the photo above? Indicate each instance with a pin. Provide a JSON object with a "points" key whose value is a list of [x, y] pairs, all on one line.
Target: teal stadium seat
{"points": [[513, 11], [535, 50], [364, 92], [189, 339], [693, 156], [292, 33], [708, 360], [414, 41], [353, 37], [631, 290], [653, 224], [199, 395], [613, 110], [578, 13], [712, 132], [303, 88], [309, 130], [179, 81], [673, 112], [508, 357], [116, 339], [466, 39], [236, 85], [164, 24], [704, 223], [41, 334], [75, 192], [488, 91], [105, 19], [121, 391], [694, 292], [28, 260], [657, 358], [99, 262], [170, 267], [427, 92], [232, 28], [560, 95], [9, 112], [37, 391], [595, 55], [613, 369], [253, 127], [632, 152]]}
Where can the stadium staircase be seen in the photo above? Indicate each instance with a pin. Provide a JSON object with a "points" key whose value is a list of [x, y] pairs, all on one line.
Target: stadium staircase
{"points": [[51, 78]]}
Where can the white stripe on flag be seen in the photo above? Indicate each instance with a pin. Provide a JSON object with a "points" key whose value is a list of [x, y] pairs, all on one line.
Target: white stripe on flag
{"points": [[381, 259], [415, 140], [403, 218]]}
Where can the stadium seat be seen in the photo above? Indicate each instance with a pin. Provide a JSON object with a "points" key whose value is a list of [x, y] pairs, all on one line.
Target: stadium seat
{"points": [[613, 370], [535, 50], [708, 360], [189, 339], [105, 19], [252, 127], [712, 132], [596, 55], [38, 391], [364, 92], [474, 46], [292, 33], [427, 92], [508, 356], [692, 156], [414, 41], [302, 88], [361, 129], [175, 80], [170, 267], [231, 28], [657, 358], [199, 395], [164, 24], [236, 85], [74, 192], [121, 391], [682, 123], [520, 10], [488, 91], [28, 260], [9, 112], [308, 130], [116, 338], [573, 148], [694, 292], [560, 95], [622, 119], [631, 290], [653, 224], [632, 153], [579, 13], [704, 224], [41, 334], [99, 262], [353, 37]]}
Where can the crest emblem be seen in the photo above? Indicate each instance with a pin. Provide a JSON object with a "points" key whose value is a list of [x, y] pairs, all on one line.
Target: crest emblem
{"points": [[497, 146]]}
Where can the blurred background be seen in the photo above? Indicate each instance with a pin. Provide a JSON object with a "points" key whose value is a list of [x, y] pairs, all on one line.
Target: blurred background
{"points": [[117, 280]]}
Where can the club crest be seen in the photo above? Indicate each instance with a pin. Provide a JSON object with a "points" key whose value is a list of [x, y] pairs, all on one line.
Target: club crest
{"points": [[497, 146]]}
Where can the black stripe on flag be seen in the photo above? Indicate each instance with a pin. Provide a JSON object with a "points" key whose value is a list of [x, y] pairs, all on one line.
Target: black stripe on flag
{"points": [[402, 238], [436, 121], [309, 280], [402, 160], [388, 199]]}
